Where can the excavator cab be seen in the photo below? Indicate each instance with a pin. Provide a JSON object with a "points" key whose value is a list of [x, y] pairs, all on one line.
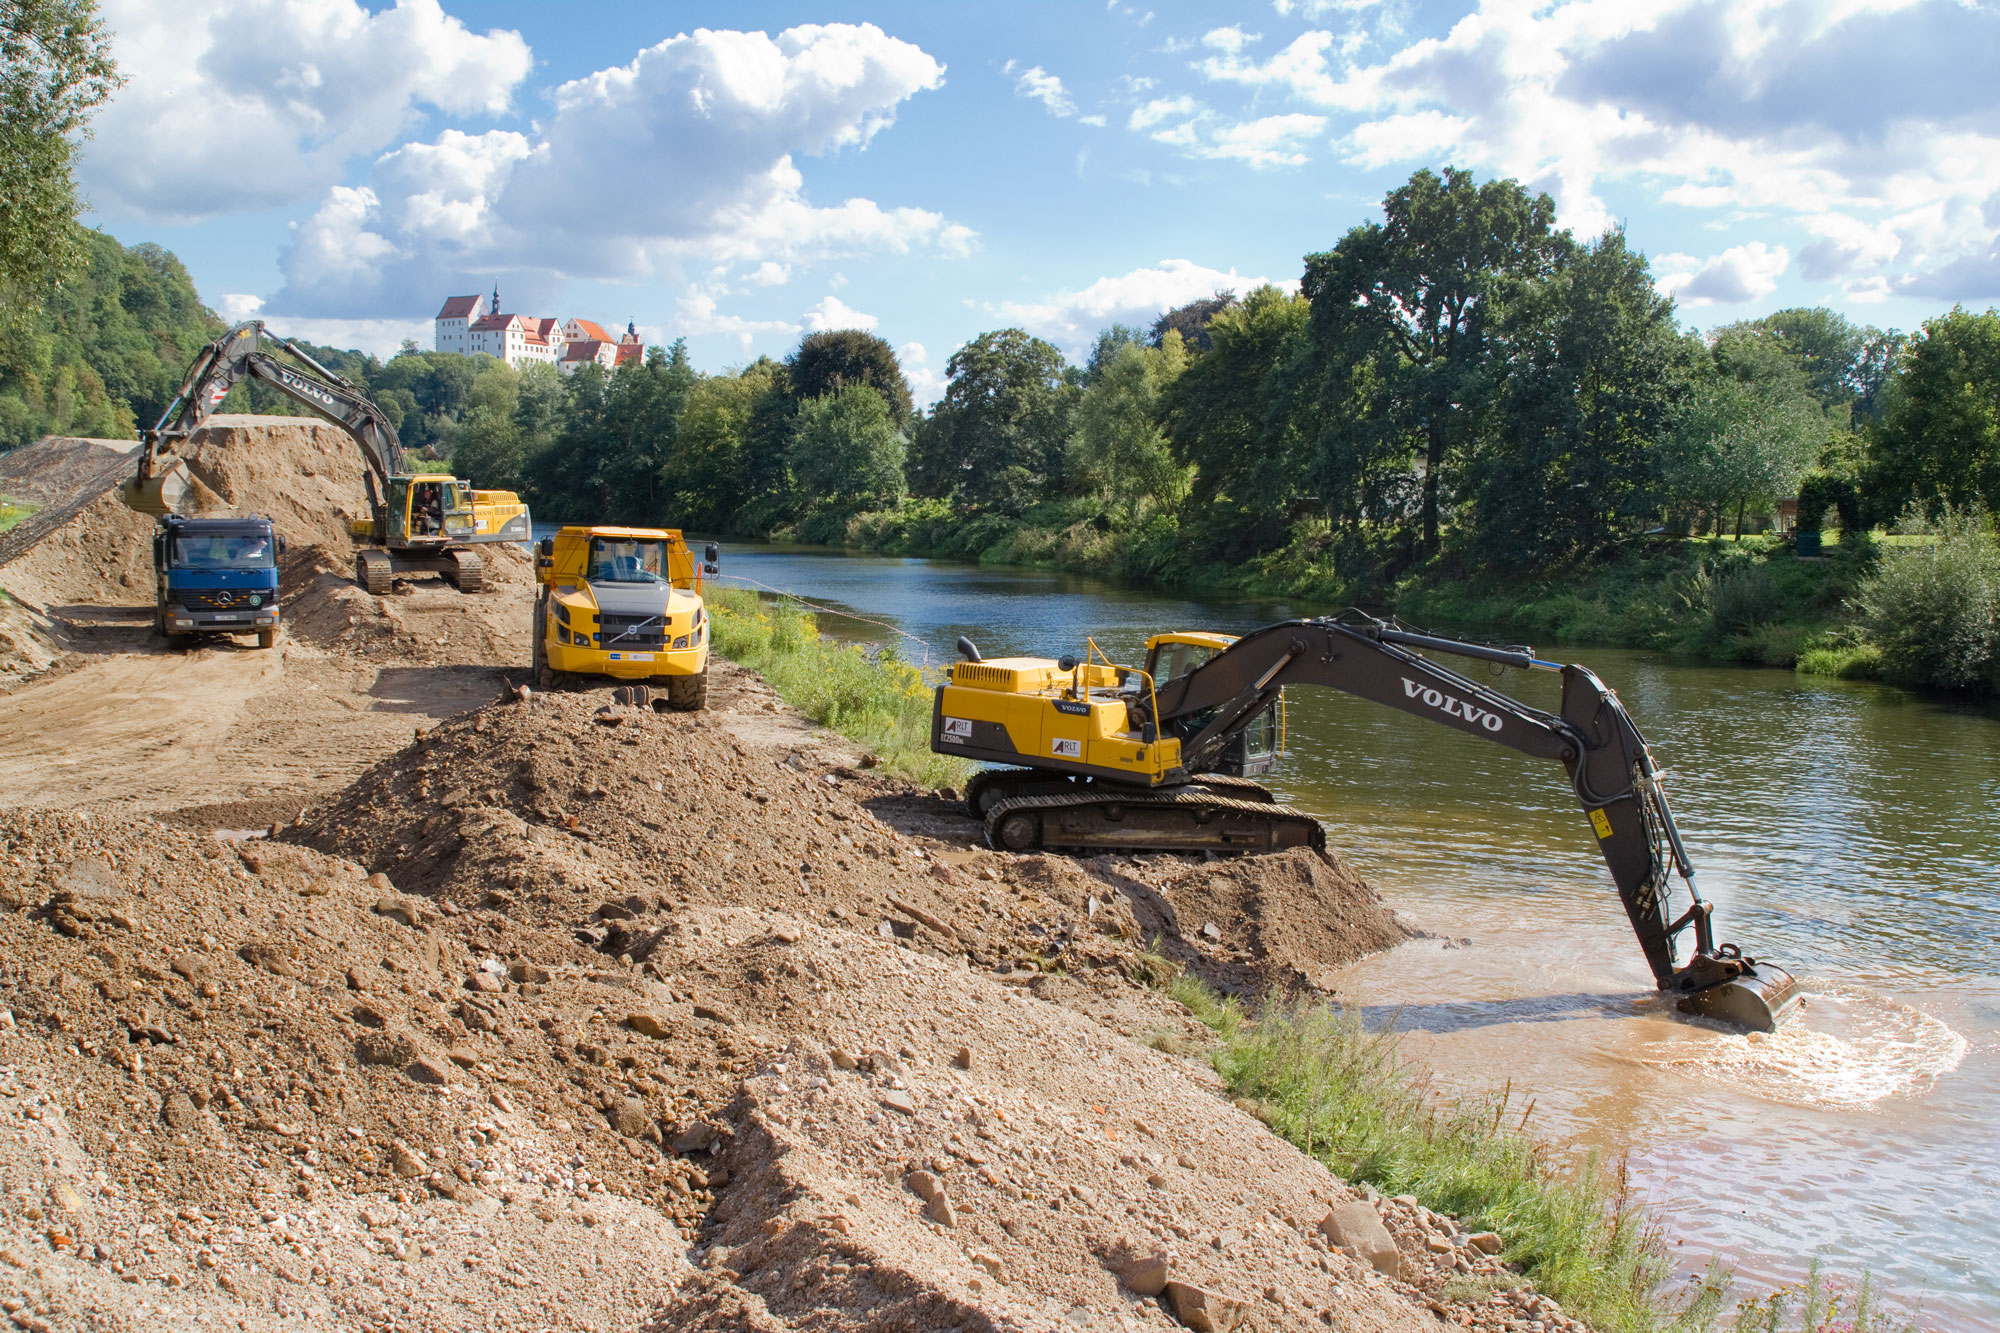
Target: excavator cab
{"points": [[1256, 749]]}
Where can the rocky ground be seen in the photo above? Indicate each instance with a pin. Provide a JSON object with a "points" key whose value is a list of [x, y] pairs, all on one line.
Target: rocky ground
{"points": [[524, 1011]]}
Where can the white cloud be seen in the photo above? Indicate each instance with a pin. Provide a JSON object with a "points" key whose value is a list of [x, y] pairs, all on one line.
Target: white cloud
{"points": [[1272, 141], [770, 274], [912, 354], [1138, 298], [1739, 274], [234, 105], [1150, 113], [1044, 87], [1705, 105], [834, 313], [685, 155], [1094, 120], [1230, 41], [697, 314], [238, 306]]}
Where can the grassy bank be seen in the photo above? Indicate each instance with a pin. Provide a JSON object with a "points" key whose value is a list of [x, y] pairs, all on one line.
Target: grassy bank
{"points": [[12, 512], [1344, 1096], [1920, 609], [866, 694]]}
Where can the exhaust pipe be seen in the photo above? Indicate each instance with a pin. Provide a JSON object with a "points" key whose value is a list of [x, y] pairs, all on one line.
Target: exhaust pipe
{"points": [[969, 650]]}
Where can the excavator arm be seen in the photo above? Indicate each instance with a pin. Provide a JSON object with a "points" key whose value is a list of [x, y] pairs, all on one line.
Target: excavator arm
{"points": [[162, 480], [1610, 768]]}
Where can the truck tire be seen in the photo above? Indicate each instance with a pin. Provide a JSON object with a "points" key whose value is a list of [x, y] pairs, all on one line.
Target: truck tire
{"points": [[688, 694], [267, 638], [544, 678]]}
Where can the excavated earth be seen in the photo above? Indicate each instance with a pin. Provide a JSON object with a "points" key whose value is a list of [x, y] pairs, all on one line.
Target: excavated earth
{"points": [[399, 997]]}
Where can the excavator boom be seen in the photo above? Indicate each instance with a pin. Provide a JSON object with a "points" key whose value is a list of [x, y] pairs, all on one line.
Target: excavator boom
{"points": [[1179, 732]]}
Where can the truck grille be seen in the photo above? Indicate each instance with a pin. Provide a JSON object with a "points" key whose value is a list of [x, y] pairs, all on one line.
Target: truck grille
{"points": [[225, 599], [651, 631]]}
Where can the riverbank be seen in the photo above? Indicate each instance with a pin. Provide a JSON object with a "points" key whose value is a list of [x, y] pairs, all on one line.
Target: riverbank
{"points": [[1749, 601]]}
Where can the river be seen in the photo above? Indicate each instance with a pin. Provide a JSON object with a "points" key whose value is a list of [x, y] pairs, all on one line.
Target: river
{"points": [[1848, 831]]}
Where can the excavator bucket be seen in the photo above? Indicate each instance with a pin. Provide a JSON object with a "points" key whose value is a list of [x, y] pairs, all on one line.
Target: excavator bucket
{"points": [[1760, 1000], [160, 494]]}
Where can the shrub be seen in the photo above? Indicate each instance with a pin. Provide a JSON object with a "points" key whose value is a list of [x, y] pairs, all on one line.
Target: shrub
{"points": [[1933, 612]]}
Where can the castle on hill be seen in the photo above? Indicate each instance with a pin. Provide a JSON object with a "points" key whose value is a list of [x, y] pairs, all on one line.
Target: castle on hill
{"points": [[468, 325]]}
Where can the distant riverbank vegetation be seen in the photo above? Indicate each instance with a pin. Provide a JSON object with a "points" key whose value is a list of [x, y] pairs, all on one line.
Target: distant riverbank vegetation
{"points": [[1463, 416]]}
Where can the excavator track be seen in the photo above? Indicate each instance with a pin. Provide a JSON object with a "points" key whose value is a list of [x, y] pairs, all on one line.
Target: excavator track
{"points": [[468, 570], [990, 786], [375, 572], [1180, 820]]}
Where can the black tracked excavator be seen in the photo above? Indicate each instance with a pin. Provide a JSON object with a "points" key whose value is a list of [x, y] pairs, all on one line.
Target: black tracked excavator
{"points": [[418, 522], [1101, 757]]}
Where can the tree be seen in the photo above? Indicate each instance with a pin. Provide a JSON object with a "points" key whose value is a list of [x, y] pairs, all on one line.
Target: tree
{"points": [[1191, 321], [846, 451], [996, 439], [487, 448], [1844, 363], [1939, 440], [827, 362], [1119, 449], [55, 68], [1400, 315], [705, 482], [1596, 376], [1235, 417], [1109, 343], [1752, 428]]}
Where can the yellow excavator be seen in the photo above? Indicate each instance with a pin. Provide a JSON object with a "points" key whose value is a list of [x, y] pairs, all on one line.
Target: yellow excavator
{"points": [[623, 603], [1094, 756], [418, 522]]}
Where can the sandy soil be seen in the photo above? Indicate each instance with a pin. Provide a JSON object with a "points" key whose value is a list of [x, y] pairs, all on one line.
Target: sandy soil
{"points": [[536, 1012]]}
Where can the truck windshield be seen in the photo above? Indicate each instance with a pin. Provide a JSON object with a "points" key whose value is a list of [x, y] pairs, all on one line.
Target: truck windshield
{"points": [[620, 560], [217, 551]]}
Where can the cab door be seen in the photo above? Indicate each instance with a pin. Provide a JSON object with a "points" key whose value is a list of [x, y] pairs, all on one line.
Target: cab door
{"points": [[457, 511], [398, 510]]}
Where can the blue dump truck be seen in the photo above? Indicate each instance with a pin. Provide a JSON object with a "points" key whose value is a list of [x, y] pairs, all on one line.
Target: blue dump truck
{"points": [[216, 576]]}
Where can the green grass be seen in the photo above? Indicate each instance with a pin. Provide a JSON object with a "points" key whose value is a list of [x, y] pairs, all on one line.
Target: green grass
{"points": [[1344, 1096], [866, 694], [13, 511]]}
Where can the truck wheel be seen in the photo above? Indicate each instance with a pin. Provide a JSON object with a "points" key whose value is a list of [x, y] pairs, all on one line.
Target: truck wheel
{"points": [[688, 694], [267, 638]]}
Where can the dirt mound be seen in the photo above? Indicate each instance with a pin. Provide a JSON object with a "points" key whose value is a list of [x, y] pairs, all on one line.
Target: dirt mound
{"points": [[1286, 921], [303, 473], [55, 468], [101, 555]]}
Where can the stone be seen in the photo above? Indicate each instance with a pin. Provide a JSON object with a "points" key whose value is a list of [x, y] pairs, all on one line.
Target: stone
{"points": [[629, 1117], [1203, 1310], [462, 1057], [841, 1059], [484, 982], [429, 1069], [942, 1212], [1437, 1244], [380, 883], [898, 1101], [1145, 1276], [925, 1185], [525, 973], [694, 1136], [1358, 1227], [1211, 932], [715, 1013], [964, 1058], [385, 1048], [405, 1161], [648, 1025], [178, 1110], [1486, 1242], [273, 958]]}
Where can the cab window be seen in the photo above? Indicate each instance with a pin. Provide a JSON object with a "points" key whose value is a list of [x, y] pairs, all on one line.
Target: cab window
{"points": [[1260, 738], [1171, 661], [617, 560]]}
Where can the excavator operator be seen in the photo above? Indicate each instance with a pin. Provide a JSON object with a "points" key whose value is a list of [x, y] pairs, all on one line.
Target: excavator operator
{"points": [[427, 508]]}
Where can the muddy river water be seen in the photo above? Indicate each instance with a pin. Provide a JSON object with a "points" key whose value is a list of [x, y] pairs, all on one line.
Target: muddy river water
{"points": [[1850, 832]]}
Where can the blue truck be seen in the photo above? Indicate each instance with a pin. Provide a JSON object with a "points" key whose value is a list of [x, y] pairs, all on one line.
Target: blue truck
{"points": [[216, 576]]}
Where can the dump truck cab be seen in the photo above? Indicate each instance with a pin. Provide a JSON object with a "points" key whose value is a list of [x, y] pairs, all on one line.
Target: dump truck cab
{"points": [[624, 604], [216, 575]]}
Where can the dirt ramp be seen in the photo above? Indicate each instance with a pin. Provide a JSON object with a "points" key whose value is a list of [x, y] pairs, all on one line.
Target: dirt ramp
{"points": [[57, 468], [102, 555]]}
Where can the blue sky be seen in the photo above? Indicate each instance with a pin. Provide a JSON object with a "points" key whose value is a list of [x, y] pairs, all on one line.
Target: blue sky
{"points": [[738, 174]]}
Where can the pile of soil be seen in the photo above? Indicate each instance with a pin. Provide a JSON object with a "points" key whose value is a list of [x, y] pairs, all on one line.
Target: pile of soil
{"points": [[57, 468]]}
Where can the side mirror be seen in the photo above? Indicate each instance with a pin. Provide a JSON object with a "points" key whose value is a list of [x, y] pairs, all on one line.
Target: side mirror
{"points": [[1065, 663], [713, 554], [1149, 733], [281, 545], [711, 567], [546, 547]]}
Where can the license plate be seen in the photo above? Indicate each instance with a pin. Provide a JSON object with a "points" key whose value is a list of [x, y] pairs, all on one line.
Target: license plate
{"points": [[958, 726], [631, 657], [222, 618]]}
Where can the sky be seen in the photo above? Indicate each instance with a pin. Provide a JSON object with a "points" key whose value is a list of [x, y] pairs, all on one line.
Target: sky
{"points": [[741, 174]]}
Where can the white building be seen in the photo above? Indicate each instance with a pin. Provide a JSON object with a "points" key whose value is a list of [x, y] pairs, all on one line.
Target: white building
{"points": [[469, 325]]}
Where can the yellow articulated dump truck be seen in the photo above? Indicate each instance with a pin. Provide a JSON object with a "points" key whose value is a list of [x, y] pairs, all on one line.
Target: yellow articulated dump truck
{"points": [[624, 604]]}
